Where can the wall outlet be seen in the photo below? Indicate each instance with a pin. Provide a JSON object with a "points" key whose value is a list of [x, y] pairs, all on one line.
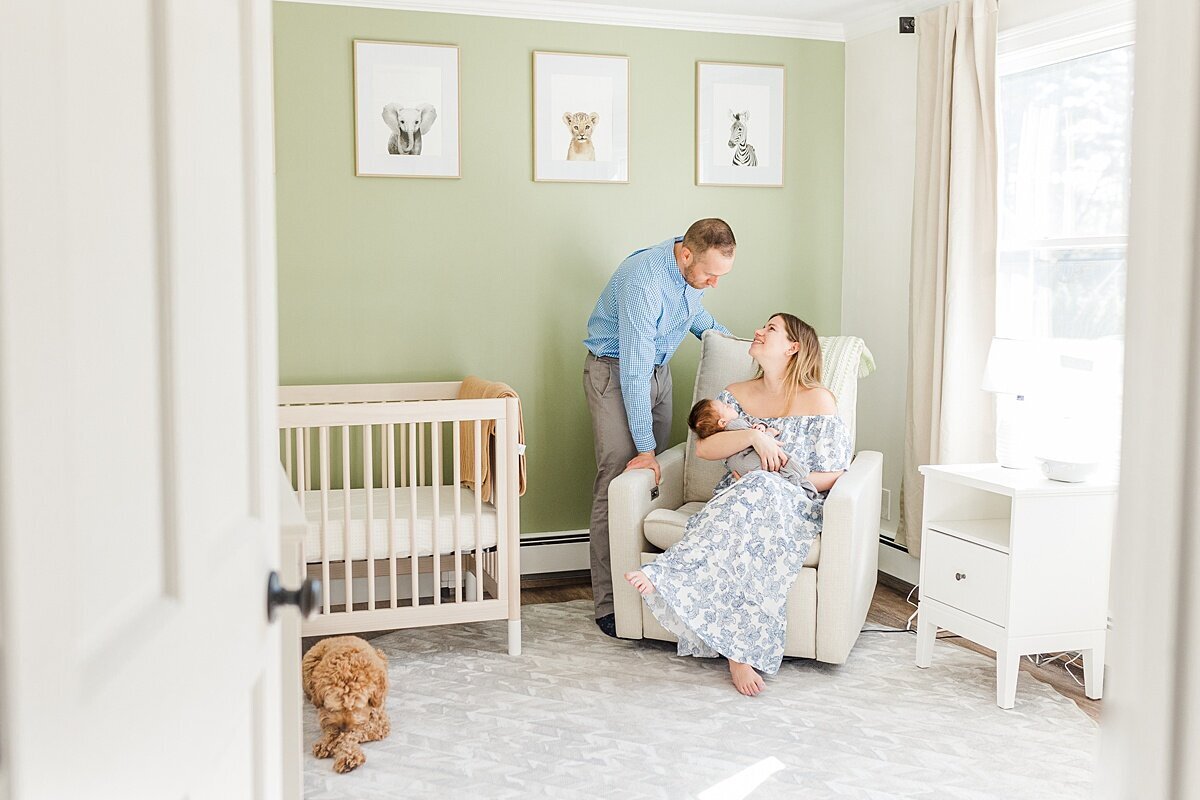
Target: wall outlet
{"points": [[885, 504]]}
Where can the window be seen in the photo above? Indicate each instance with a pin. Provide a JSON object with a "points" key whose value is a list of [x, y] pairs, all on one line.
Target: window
{"points": [[1064, 212]]}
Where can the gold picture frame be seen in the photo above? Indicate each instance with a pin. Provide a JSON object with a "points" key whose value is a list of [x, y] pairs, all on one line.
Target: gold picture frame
{"points": [[580, 117], [738, 105], [406, 109]]}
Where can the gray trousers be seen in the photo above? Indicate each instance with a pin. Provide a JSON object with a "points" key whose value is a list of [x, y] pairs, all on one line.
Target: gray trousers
{"points": [[614, 449]]}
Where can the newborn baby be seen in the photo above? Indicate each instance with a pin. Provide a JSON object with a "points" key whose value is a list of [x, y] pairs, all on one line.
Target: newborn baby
{"points": [[713, 416]]}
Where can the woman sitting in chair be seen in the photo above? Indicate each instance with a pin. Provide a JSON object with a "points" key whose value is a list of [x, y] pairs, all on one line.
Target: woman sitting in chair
{"points": [[722, 589]]}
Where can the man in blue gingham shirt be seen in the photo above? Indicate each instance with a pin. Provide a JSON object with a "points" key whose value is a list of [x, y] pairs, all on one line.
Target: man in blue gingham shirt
{"points": [[649, 305]]}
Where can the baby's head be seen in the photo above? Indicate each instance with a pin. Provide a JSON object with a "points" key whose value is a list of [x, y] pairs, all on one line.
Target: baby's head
{"points": [[709, 417]]}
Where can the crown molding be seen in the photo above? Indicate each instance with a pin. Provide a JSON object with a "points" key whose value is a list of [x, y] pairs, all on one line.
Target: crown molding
{"points": [[1116, 17], [555, 11], [878, 21]]}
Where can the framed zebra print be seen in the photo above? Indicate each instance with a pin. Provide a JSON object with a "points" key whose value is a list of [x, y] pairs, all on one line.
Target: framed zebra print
{"points": [[740, 118]]}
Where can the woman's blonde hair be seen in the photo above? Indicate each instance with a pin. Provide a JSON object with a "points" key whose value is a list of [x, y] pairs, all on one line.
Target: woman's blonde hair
{"points": [[804, 367]]}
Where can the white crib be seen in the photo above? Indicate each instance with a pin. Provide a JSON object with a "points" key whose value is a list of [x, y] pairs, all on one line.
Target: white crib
{"points": [[395, 537]]}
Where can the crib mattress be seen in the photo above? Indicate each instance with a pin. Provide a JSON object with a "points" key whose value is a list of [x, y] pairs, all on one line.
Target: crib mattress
{"points": [[487, 527]]}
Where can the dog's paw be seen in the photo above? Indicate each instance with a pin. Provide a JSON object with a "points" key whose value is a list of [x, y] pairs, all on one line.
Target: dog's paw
{"points": [[324, 748], [349, 760]]}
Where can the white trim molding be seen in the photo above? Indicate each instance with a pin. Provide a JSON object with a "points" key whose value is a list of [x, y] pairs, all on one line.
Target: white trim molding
{"points": [[555, 551], [878, 21], [894, 560], [1104, 26], [555, 11]]}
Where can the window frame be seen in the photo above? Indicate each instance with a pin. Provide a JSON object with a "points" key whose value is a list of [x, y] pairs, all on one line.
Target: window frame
{"points": [[1098, 29]]}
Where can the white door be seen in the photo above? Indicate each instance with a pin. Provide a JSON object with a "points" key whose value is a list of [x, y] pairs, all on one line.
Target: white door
{"points": [[137, 374]]}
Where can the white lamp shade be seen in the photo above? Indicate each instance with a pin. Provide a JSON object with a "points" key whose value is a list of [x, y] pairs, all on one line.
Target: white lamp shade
{"points": [[1013, 366]]}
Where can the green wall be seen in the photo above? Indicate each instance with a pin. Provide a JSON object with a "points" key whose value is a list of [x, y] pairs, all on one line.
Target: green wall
{"points": [[406, 279]]}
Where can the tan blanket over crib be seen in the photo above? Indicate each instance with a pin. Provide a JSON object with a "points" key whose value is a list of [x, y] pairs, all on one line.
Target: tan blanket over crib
{"points": [[475, 388]]}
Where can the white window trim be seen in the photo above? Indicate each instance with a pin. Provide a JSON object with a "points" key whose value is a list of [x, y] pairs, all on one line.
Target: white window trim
{"points": [[1064, 242], [1094, 29]]}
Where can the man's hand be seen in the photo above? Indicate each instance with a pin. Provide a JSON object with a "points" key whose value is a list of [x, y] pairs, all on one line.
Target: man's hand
{"points": [[645, 461]]}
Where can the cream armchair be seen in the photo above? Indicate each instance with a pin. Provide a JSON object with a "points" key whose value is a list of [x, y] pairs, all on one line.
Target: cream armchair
{"points": [[828, 603]]}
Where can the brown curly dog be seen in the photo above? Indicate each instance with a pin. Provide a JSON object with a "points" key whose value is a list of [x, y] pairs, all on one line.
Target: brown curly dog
{"points": [[346, 679]]}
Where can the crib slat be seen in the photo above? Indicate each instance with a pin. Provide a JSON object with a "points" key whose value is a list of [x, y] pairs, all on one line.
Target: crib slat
{"points": [[403, 452], [323, 437], [301, 467], [391, 485], [479, 589], [412, 516], [312, 436], [287, 455], [369, 488], [435, 444], [454, 451], [347, 560], [420, 469]]}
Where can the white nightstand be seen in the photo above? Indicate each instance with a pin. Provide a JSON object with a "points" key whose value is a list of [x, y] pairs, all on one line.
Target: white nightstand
{"points": [[1017, 563]]}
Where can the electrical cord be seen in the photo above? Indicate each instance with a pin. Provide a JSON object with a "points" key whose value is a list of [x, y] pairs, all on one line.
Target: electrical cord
{"points": [[1040, 659], [1043, 658], [905, 630]]}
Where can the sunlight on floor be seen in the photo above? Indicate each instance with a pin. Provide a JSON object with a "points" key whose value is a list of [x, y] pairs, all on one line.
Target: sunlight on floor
{"points": [[743, 783]]}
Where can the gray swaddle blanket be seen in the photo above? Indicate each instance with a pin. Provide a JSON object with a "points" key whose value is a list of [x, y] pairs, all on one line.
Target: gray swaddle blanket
{"points": [[747, 460]]}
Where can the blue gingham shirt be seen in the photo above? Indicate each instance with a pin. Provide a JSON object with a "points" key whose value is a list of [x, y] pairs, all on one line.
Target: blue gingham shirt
{"points": [[641, 317]]}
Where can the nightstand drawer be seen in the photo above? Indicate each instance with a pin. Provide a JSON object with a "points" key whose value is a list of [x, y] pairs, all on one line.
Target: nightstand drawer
{"points": [[965, 575]]}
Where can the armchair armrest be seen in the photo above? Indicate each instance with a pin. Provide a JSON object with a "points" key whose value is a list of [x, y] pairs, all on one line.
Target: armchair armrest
{"points": [[849, 564], [629, 501]]}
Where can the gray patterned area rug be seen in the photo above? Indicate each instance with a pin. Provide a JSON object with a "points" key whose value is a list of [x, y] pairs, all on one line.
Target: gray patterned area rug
{"points": [[580, 715]]}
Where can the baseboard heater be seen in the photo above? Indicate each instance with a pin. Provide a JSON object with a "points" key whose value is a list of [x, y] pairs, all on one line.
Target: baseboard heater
{"points": [[568, 551], [555, 551]]}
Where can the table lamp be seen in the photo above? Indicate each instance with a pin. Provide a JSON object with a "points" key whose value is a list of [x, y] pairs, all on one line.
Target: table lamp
{"points": [[1011, 374]]}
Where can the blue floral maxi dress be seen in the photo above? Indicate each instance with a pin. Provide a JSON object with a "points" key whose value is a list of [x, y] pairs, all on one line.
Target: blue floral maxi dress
{"points": [[722, 589]]}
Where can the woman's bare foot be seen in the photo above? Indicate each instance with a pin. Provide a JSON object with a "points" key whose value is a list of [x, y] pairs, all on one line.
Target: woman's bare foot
{"points": [[745, 679], [640, 581]]}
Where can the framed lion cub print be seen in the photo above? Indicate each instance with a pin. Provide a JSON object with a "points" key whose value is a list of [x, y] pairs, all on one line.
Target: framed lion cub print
{"points": [[580, 118]]}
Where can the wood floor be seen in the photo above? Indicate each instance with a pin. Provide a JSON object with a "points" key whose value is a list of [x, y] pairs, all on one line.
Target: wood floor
{"points": [[889, 609]]}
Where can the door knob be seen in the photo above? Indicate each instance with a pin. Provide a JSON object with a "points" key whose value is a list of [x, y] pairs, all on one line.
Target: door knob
{"points": [[305, 598], [958, 576]]}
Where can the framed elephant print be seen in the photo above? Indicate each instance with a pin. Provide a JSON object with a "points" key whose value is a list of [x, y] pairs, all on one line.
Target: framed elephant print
{"points": [[580, 118], [739, 124], [405, 110]]}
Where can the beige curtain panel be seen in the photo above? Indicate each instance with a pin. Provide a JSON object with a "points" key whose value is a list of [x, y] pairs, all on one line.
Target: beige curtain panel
{"points": [[952, 299]]}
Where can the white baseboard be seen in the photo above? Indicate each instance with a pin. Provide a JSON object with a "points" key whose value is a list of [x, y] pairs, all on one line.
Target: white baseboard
{"points": [[568, 551], [897, 562], [555, 551]]}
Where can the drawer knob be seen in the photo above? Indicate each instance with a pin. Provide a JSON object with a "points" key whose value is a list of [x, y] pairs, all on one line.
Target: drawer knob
{"points": [[959, 576]]}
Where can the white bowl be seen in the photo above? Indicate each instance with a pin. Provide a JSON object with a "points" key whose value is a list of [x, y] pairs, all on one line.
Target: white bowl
{"points": [[1067, 471]]}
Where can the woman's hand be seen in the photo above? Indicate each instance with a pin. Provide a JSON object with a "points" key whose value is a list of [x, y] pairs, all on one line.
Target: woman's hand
{"points": [[769, 452]]}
